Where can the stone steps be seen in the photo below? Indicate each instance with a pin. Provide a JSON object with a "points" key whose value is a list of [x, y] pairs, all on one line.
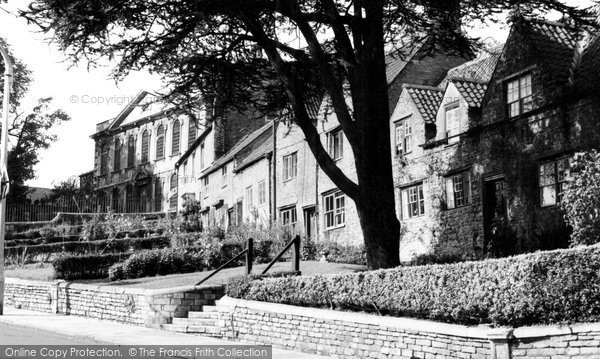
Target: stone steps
{"points": [[206, 322]]}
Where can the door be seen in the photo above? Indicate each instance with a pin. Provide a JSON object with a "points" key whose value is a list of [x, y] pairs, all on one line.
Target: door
{"points": [[310, 223], [498, 236]]}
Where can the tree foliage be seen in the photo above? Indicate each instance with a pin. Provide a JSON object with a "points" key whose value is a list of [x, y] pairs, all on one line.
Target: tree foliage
{"points": [[581, 198], [217, 49]]}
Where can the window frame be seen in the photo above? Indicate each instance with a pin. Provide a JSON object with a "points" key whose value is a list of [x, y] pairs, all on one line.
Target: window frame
{"points": [[454, 108], [262, 192], [335, 144], [192, 132], [403, 136], [290, 166], [224, 176], [289, 217], [520, 97], [249, 199], [334, 209], [406, 202], [557, 181], [145, 147], [450, 183], [130, 151], [176, 138], [104, 158], [160, 143], [117, 155]]}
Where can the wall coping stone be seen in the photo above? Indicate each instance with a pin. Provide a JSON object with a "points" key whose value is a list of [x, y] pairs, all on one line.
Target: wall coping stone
{"points": [[111, 288], [477, 332]]}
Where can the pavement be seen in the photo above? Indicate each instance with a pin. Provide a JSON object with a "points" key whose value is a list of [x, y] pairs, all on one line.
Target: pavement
{"points": [[84, 330]]}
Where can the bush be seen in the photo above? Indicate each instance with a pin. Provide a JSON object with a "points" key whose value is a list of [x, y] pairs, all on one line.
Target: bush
{"points": [[339, 253], [436, 258], [70, 267], [581, 198], [237, 287], [558, 286]]}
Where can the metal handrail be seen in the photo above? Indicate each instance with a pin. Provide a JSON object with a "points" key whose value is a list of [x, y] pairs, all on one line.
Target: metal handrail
{"points": [[223, 266], [295, 258]]}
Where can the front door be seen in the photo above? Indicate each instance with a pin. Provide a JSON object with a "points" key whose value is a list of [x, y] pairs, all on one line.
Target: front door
{"points": [[310, 223], [498, 237]]}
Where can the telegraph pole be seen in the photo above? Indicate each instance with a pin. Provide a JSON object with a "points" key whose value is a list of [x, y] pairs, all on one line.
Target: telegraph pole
{"points": [[8, 74]]}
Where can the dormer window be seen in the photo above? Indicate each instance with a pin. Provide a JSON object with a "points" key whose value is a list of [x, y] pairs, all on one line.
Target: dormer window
{"points": [[519, 96], [404, 138]]}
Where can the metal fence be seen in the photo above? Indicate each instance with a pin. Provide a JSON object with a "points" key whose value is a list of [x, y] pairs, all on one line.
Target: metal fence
{"points": [[37, 212]]}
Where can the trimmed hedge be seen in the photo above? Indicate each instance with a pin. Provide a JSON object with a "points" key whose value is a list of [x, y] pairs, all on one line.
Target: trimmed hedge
{"points": [[558, 286], [85, 267]]}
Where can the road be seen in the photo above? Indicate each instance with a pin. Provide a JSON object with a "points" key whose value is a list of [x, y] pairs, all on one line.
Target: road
{"points": [[15, 335]]}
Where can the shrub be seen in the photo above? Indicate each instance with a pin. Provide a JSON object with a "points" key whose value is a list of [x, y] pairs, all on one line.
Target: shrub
{"points": [[436, 258], [339, 253], [581, 198], [540, 288], [71, 267], [191, 221], [237, 287]]}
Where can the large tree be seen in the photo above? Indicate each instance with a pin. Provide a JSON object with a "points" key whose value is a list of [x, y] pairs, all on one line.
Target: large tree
{"points": [[29, 130], [216, 47]]}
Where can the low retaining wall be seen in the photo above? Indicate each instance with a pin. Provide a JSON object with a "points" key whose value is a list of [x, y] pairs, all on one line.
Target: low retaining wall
{"points": [[126, 305], [357, 335]]}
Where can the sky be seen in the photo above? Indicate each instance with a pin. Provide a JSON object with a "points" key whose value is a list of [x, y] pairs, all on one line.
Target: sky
{"points": [[90, 97]]}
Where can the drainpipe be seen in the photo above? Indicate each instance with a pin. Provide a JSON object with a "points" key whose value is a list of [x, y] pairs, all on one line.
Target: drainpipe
{"points": [[8, 74], [274, 175]]}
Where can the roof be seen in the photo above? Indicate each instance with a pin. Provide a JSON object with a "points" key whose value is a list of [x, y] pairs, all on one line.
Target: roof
{"points": [[263, 149], [471, 91], [555, 44], [394, 63], [194, 145], [427, 99], [480, 69], [255, 138], [38, 193], [588, 73]]}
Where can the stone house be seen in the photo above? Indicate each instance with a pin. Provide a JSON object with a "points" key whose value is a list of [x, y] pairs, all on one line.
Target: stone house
{"points": [[480, 160], [306, 199], [135, 154]]}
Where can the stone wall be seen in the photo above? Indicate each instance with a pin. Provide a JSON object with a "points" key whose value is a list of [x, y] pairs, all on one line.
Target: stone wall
{"points": [[126, 305], [356, 335]]}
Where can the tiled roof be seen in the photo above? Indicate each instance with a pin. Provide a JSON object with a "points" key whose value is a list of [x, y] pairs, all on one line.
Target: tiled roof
{"points": [[241, 145], [555, 44], [395, 63], [480, 69], [427, 99], [263, 148], [471, 91], [588, 73]]}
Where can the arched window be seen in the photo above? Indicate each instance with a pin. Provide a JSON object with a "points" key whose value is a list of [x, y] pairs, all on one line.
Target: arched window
{"points": [[176, 137], [117, 159], [130, 151], [129, 198], [192, 132], [145, 146], [104, 159], [158, 197], [160, 142], [116, 206], [174, 181], [101, 208]]}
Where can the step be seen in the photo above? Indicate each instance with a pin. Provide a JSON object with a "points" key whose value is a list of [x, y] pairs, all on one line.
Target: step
{"points": [[210, 308], [196, 329], [204, 315], [198, 321]]}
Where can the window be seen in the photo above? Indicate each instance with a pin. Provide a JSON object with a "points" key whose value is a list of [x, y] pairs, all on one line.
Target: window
{"points": [[104, 159], [335, 210], [553, 176], [519, 96], [249, 200], [403, 136], [458, 190], [452, 123], [145, 146], [192, 132], [173, 181], [173, 202], [262, 192], [117, 158], [413, 202], [289, 217], [176, 137], [160, 142], [224, 175], [335, 144], [202, 156], [158, 197], [205, 186], [290, 166], [193, 171], [130, 151]]}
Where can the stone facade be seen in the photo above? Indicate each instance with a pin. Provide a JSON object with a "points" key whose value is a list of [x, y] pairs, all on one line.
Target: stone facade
{"points": [[490, 180], [126, 305]]}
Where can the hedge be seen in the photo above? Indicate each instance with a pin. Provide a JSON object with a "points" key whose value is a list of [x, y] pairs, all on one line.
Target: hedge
{"points": [[559, 286], [83, 247], [71, 267]]}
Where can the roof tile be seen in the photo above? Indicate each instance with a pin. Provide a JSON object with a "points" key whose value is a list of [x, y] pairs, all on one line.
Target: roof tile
{"points": [[427, 99]]}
